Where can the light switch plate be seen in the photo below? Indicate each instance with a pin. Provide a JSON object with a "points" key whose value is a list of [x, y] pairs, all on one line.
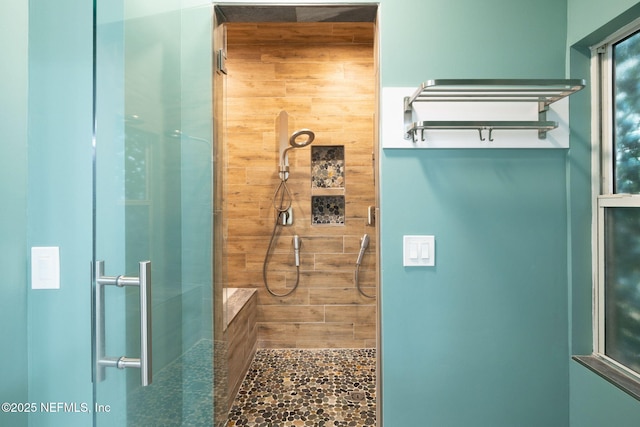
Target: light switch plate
{"points": [[45, 267], [419, 251]]}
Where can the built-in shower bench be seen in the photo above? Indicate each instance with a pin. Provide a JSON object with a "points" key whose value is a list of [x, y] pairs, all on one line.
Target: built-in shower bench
{"points": [[240, 311]]}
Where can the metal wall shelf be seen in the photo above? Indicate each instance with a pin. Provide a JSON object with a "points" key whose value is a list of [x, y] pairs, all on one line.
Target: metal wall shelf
{"points": [[543, 92]]}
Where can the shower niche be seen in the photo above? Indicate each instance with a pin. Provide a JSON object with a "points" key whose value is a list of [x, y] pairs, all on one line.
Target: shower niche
{"points": [[327, 166], [327, 210], [327, 185]]}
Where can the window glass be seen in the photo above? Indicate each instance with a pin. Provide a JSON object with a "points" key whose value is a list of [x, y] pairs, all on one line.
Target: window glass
{"points": [[626, 69], [622, 289], [617, 324]]}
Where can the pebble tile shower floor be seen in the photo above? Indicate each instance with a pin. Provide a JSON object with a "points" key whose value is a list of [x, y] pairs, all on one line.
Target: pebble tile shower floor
{"points": [[292, 387]]}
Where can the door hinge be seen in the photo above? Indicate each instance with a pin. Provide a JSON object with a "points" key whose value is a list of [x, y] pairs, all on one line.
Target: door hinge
{"points": [[221, 61]]}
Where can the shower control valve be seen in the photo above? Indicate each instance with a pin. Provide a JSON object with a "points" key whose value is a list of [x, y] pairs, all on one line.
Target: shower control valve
{"points": [[286, 217]]}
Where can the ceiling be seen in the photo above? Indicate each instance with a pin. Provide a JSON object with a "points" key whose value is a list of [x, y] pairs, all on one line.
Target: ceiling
{"points": [[325, 13]]}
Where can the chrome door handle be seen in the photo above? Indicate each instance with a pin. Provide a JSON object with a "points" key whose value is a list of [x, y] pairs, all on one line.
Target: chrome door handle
{"points": [[143, 282]]}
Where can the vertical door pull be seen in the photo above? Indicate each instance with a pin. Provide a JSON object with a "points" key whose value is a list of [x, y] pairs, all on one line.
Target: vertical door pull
{"points": [[143, 282]]}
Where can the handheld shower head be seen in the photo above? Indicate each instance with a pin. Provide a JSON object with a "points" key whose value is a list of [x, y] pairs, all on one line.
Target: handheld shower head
{"points": [[364, 244], [296, 249]]}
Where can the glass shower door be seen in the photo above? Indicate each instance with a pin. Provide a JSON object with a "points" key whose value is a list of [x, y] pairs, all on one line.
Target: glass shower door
{"points": [[152, 284]]}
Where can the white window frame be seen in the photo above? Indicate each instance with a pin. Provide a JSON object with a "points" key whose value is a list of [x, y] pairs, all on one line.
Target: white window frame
{"points": [[603, 180]]}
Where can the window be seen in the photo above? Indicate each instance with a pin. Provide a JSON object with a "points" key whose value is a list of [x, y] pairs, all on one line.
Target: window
{"points": [[617, 222]]}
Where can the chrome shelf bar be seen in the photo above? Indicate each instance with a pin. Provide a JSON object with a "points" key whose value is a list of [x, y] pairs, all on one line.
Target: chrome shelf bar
{"points": [[544, 92], [416, 127]]}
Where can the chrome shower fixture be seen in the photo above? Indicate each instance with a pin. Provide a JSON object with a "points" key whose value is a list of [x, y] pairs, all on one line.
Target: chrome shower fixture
{"points": [[364, 244], [296, 249], [298, 139], [293, 139], [282, 197]]}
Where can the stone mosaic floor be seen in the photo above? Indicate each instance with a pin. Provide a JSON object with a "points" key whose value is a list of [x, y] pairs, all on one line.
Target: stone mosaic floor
{"points": [[291, 387]]}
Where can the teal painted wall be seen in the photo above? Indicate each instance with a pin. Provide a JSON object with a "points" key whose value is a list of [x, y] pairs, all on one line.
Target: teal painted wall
{"points": [[579, 175], [587, 17], [491, 317], [593, 401], [59, 204], [13, 188], [481, 339], [471, 39]]}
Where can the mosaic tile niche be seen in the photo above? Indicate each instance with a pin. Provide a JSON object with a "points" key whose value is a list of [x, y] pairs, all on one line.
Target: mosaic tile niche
{"points": [[327, 177], [327, 166], [327, 210]]}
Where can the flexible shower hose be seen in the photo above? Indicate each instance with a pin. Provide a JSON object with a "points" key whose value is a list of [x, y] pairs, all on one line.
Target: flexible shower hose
{"points": [[281, 209], [355, 279]]}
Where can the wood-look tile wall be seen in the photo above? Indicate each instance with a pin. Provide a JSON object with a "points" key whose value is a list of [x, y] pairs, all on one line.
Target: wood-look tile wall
{"points": [[323, 75]]}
